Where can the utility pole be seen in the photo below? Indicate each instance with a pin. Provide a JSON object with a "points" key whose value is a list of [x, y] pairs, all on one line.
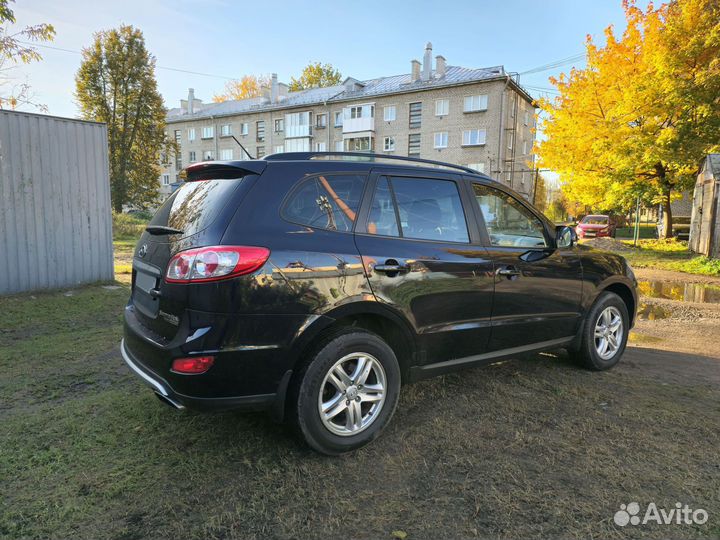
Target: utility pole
{"points": [[636, 235]]}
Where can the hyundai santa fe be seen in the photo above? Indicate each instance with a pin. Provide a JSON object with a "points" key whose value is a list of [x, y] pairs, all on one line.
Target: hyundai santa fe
{"points": [[314, 285]]}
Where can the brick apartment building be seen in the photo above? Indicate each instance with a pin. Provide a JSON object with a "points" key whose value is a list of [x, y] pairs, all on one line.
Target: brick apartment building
{"points": [[481, 118]]}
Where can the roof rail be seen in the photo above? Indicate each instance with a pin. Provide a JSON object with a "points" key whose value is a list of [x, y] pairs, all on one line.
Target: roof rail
{"points": [[369, 156]]}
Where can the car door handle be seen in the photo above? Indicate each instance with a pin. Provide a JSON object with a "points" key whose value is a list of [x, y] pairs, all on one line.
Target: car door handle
{"points": [[389, 268], [508, 271]]}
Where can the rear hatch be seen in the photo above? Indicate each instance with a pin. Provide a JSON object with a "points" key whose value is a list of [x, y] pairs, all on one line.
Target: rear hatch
{"points": [[195, 215]]}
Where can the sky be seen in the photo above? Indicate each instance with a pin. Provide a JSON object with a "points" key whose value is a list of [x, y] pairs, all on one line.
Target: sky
{"points": [[364, 40]]}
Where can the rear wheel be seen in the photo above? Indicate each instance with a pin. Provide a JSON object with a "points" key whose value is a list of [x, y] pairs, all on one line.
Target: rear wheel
{"points": [[347, 393], [605, 333]]}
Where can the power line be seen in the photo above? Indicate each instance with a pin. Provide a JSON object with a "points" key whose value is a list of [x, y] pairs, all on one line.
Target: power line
{"points": [[555, 64], [178, 70]]}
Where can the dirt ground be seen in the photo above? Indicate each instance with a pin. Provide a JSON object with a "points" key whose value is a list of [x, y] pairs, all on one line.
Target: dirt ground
{"points": [[688, 327]]}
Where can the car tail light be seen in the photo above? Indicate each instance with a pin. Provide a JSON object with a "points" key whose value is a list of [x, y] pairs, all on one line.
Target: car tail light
{"points": [[193, 366], [214, 263]]}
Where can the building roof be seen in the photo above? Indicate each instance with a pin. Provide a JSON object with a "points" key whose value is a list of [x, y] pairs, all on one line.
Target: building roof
{"points": [[351, 89], [713, 164]]}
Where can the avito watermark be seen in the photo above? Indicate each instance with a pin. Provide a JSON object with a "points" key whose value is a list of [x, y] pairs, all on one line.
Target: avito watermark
{"points": [[681, 514]]}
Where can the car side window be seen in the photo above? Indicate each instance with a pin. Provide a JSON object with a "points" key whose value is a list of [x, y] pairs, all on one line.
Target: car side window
{"points": [[326, 201], [508, 222], [382, 219], [427, 209]]}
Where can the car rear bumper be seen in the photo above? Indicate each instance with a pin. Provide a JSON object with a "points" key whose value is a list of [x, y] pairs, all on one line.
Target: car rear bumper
{"points": [[168, 395]]}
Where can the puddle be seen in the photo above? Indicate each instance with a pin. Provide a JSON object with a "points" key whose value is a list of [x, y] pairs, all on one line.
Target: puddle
{"points": [[649, 312], [684, 292]]}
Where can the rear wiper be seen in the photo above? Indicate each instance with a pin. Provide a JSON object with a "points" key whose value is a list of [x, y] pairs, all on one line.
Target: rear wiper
{"points": [[161, 229]]}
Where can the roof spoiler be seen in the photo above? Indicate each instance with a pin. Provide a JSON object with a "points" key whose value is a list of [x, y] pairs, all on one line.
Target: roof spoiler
{"points": [[212, 170]]}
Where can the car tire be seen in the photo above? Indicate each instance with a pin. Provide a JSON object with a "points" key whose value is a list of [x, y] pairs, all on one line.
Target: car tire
{"points": [[603, 341], [365, 405]]}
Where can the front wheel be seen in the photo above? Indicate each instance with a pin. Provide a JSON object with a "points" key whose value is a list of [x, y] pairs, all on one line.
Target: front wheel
{"points": [[348, 392], [605, 333]]}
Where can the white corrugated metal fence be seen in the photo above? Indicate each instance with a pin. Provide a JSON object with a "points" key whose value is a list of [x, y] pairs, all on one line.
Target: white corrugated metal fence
{"points": [[55, 214]]}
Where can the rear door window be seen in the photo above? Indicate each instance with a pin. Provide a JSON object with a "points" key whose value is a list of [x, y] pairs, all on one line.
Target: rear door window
{"points": [[427, 209], [326, 201]]}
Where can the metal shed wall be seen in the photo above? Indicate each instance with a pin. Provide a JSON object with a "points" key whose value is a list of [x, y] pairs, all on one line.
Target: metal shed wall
{"points": [[55, 214]]}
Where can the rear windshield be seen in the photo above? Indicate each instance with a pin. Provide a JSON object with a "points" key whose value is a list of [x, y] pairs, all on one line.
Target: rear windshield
{"points": [[195, 205], [595, 220]]}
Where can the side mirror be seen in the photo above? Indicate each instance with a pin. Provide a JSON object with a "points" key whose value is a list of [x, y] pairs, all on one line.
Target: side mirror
{"points": [[565, 237]]}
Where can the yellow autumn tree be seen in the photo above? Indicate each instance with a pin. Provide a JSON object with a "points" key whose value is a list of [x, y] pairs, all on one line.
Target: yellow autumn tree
{"points": [[316, 75], [248, 86], [638, 119]]}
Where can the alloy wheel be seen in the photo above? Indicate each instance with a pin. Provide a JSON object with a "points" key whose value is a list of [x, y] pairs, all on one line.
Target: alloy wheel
{"points": [[352, 394], [608, 332]]}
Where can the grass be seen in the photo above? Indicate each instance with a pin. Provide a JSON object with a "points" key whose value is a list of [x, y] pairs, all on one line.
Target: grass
{"points": [[127, 229], [527, 448], [647, 230], [671, 254]]}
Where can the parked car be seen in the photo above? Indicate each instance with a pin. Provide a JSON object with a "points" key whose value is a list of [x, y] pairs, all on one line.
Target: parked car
{"points": [[595, 226], [313, 286]]}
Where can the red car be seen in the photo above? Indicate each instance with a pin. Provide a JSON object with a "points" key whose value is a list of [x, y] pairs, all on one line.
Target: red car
{"points": [[594, 226]]}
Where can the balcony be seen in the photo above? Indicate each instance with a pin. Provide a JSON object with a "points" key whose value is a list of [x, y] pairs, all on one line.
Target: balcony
{"points": [[293, 132], [354, 125]]}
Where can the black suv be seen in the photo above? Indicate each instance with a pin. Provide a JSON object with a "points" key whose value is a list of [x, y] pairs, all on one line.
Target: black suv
{"points": [[314, 285]]}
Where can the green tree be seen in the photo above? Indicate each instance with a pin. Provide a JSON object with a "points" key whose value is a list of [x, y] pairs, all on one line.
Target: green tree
{"points": [[316, 75], [14, 51], [116, 85], [639, 118]]}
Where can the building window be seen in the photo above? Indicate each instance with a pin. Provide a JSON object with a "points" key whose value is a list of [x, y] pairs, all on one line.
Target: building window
{"points": [[260, 128], [164, 158], [359, 111], [358, 144], [321, 147], [476, 103], [389, 113], [296, 145], [479, 167], [165, 179], [321, 121], [415, 115], [525, 148], [279, 149], [442, 107], [297, 125], [414, 144], [192, 158], [441, 139], [191, 134], [389, 144], [339, 146], [279, 125], [178, 153], [208, 155], [226, 155], [225, 130], [511, 139], [526, 118], [474, 137], [338, 119], [208, 132], [244, 128], [260, 152]]}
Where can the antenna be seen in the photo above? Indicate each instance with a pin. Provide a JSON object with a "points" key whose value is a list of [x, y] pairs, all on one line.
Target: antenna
{"points": [[241, 146]]}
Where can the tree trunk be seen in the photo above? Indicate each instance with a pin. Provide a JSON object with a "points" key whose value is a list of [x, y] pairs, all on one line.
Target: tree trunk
{"points": [[667, 216]]}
